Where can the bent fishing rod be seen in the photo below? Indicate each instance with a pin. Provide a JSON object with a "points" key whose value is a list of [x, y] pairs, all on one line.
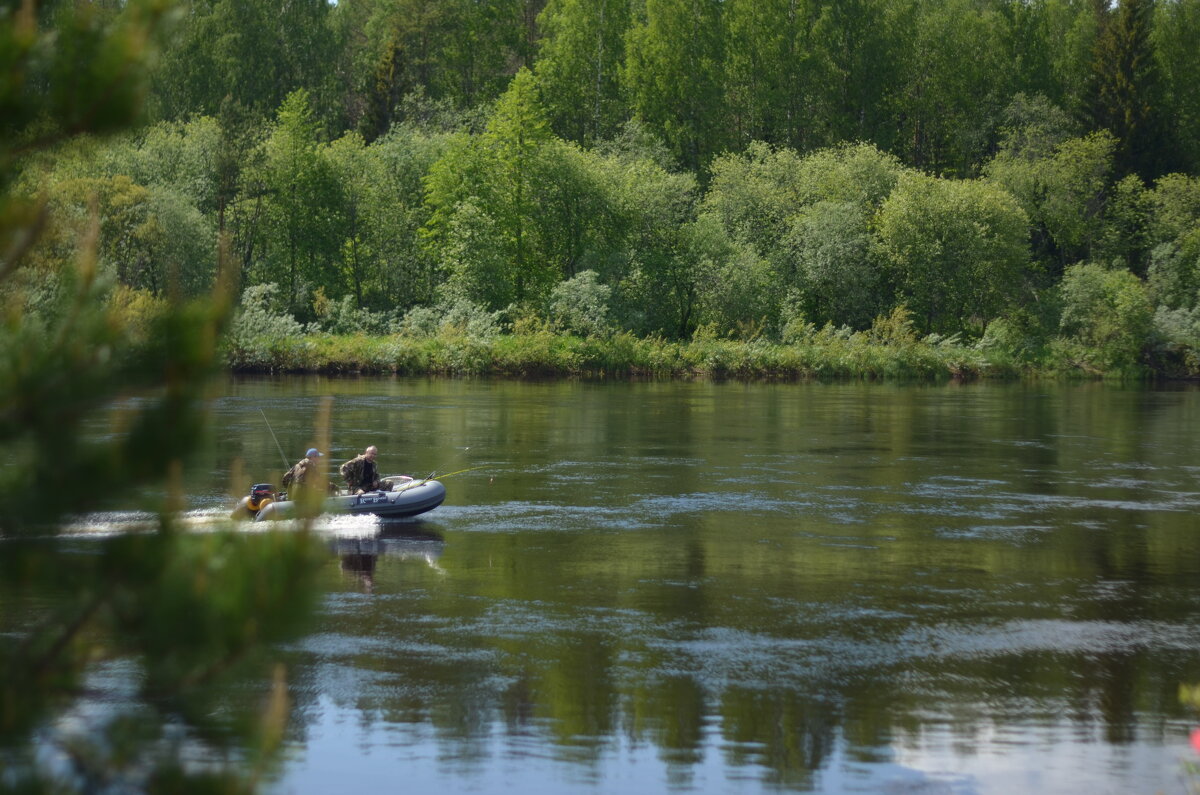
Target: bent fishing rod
{"points": [[433, 475], [286, 465]]}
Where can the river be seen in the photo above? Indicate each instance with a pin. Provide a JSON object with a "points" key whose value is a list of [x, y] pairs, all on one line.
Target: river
{"points": [[732, 587]]}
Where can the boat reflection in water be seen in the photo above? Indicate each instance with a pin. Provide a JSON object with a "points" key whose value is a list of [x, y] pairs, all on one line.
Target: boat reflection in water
{"points": [[396, 540]]}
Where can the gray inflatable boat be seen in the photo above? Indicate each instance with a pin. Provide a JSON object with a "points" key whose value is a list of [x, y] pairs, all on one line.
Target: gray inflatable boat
{"points": [[408, 497]]}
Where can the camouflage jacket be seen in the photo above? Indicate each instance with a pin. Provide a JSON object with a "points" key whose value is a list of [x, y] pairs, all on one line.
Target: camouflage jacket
{"points": [[298, 473], [360, 473]]}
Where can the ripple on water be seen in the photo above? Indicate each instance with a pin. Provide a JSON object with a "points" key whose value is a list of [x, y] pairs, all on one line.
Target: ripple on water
{"points": [[1059, 636]]}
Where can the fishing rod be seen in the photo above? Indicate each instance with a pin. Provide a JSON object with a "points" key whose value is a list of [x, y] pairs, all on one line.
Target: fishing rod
{"points": [[448, 474], [413, 484], [278, 446]]}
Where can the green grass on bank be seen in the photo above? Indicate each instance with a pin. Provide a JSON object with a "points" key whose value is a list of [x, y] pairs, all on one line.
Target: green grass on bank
{"points": [[822, 354], [542, 354]]}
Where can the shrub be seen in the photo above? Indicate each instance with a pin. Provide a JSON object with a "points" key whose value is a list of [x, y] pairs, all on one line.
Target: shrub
{"points": [[895, 328], [260, 336], [1013, 338], [453, 317], [1108, 311], [580, 305], [1179, 330], [1174, 273], [345, 317]]}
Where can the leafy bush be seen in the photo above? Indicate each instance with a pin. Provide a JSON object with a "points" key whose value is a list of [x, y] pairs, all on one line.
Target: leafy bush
{"points": [[956, 249], [260, 335], [345, 317], [1108, 312], [1174, 274], [1179, 330], [580, 305], [828, 249], [454, 317], [1019, 336], [896, 328]]}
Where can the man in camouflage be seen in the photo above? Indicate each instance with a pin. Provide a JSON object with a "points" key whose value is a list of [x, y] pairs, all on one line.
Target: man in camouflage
{"points": [[360, 473], [298, 475]]}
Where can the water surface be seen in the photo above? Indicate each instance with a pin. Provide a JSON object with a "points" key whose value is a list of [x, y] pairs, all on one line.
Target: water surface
{"points": [[727, 587]]}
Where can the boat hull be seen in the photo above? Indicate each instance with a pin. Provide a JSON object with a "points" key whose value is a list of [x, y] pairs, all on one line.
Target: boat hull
{"points": [[407, 500]]}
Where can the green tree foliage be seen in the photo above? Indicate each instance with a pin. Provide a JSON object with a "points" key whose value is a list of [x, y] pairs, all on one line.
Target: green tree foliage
{"points": [[490, 151], [809, 218], [833, 273], [382, 260], [499, 172], [1124, 235], [1108, 314], [581, 220], [533, 208], [736, 289], [184, 157], [756, 194], [457, 50], [952, 85], [178, 610], [249, 54], [956, 250], [1071, 30], [1176, 37], [579, 305], [1061, 185], [672, 75], [578, 67], [770, 69], [659, 289], [1030, 64], [302, 206], [1126, 87], [1174, 233], [1175, 207], [856, 52]]}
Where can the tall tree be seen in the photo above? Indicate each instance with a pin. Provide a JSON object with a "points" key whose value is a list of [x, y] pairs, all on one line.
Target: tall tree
{"points": [[953, 85], [578, 67], [485, 44], [856, 50], [495, 179], [1061, 183], [301, 207], [461, 51], [391, 49], [769, 71], [1126, 89], [515, 137], [1176, 36], [254, 53], [673, 76]]}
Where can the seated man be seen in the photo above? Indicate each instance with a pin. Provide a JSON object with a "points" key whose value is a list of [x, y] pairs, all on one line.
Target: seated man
{"points": [[361, 475], [303, 473]]}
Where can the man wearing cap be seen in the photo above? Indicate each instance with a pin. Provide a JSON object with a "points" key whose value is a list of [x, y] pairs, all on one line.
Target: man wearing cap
{"points": [[297, 474]]}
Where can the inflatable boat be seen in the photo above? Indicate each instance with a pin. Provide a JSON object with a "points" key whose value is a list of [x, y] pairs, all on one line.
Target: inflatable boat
{"points": [[407, 497]]}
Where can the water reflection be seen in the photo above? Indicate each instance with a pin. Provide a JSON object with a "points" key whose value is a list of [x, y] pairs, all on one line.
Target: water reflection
{"points": [[403, 540], [718, 587]]}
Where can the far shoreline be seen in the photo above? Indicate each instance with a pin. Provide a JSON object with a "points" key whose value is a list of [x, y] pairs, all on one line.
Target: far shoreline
{"points": [[546, 355]]}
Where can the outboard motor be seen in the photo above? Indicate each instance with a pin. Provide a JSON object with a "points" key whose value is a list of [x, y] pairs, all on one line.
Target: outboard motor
{"points": [[261, 495]]}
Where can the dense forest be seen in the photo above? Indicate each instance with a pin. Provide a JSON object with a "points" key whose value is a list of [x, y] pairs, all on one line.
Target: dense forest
{"points": [[843, 187], [1016, 175]]}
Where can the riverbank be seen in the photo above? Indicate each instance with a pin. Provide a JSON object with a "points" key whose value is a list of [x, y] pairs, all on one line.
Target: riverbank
{"points": [[546, 354]]}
